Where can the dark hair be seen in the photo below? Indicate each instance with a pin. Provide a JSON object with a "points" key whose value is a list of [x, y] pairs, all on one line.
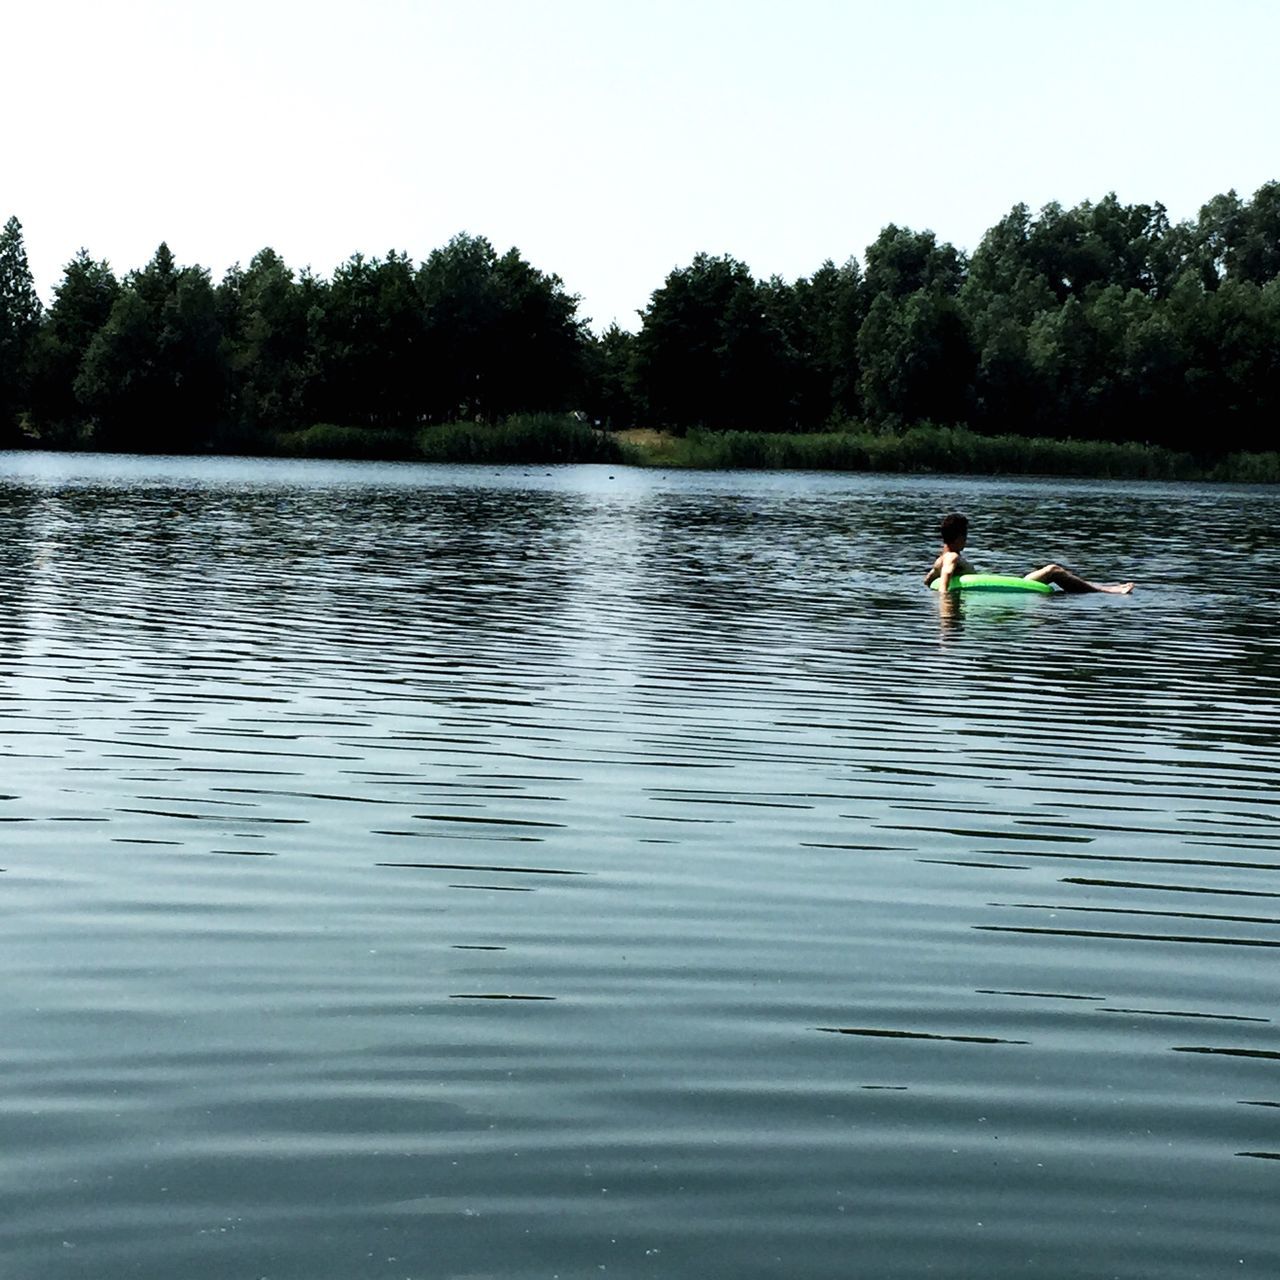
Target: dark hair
{"points": [[954, 526]]}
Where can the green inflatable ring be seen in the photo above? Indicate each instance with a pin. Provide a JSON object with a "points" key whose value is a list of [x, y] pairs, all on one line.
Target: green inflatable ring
{"points": [[995, 582]]}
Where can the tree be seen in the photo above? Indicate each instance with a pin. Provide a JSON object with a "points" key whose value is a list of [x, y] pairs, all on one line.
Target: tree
{"points": [[1242, 334], [1257, 252], [499, 335], [914, 351], [267, 336], [153, 377], [901, 262], [1004, 292], [1006, 388], [367, 327], [840, 296], [819, 318], [1120, 245], [916, 358], [709, 353], [19, 324], [81, 305], [1064, 350], [539, 337], [1218, 232], [609, 394]]}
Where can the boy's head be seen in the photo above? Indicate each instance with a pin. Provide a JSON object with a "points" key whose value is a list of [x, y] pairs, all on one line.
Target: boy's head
{"points": [[955, 529]]}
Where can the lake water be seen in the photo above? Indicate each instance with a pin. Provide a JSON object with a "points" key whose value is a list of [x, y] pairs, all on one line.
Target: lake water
{"points": [[435, 872]]}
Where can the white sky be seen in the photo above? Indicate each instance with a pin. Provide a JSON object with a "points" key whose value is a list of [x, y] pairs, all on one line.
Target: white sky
{"points": [[611, 140]]}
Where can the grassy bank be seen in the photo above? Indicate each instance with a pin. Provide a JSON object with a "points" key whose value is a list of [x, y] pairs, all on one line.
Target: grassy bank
{"points": [[940, 450], [916, 450], [1248, 468], [536, 439], [526, 438]]}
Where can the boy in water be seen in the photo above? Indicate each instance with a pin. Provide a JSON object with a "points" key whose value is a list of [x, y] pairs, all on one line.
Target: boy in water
{"points": [[951, 563]]}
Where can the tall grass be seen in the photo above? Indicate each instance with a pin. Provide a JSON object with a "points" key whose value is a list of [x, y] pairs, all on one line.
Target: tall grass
{"points": [[527, 438], [920, 449], [1248, 468], [542, 438], [328, 440], [533, 437]]}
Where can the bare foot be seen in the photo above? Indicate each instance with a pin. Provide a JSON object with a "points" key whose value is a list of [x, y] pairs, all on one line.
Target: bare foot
{"points": [[1118, 588]]}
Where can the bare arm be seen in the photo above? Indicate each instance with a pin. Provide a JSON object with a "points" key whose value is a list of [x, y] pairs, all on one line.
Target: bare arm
{"points": [[948, 571], [949, 564]]}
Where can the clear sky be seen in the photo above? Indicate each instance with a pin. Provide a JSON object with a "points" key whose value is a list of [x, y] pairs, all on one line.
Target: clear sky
{"points": [[611, 140]]}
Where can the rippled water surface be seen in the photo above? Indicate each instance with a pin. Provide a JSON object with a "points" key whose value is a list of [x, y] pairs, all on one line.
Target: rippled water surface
{"points": [[424, 872]]}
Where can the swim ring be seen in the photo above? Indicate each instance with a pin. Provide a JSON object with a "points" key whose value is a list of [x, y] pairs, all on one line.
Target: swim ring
{"points": [[995, 582]]}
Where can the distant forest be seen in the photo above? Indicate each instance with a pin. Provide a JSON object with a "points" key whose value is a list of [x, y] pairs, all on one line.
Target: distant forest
{"points": [[1101, 322]]}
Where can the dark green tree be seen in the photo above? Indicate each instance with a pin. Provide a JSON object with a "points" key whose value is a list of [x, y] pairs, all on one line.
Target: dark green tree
{"points": [[609, 395], [819, 318], [1120, 245], [1070, 358], [837, 305], [153, 377], [1003, 293], [81, 305], [916, 358], [267, 336], [19, 325], [500, 336], [709, 353], [914, 350], [1239, 358], [757, 365], [1256, 256], [369, 344], [460, 308], [1076, 251], [539, 342], [901, 262], [1216, 239], [677, 360]]}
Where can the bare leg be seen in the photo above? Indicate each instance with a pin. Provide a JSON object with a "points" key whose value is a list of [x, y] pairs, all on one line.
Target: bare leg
{"points": [[1069, 581]]}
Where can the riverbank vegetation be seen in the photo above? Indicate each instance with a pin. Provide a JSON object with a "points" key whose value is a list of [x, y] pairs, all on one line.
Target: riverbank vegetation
{"points": [[1099, 340], [563, 438], [937, 450], [530, 438], [919, 449]]}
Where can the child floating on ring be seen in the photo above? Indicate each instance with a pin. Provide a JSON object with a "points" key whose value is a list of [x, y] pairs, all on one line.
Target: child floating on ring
{"points": [[952, 563]]}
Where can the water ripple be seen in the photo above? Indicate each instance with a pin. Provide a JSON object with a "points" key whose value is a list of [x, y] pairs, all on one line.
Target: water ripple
{"points": [[775, 788]]}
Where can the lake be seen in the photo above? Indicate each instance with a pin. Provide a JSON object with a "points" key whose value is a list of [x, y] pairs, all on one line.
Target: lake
{"points": [[445, 872]]}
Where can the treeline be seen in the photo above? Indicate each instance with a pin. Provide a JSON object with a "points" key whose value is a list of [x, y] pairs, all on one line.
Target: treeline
{"points": [[1103, 322], [166, 359]]}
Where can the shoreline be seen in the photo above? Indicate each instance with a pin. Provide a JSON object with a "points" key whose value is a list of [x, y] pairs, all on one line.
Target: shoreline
{"points": [[536, 439]]}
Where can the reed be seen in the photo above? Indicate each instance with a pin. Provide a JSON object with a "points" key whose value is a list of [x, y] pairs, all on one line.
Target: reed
{"points": [[328, 440], [545, 438], [917, 450], [1248, 468], [524, 438], [530, 438]]}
